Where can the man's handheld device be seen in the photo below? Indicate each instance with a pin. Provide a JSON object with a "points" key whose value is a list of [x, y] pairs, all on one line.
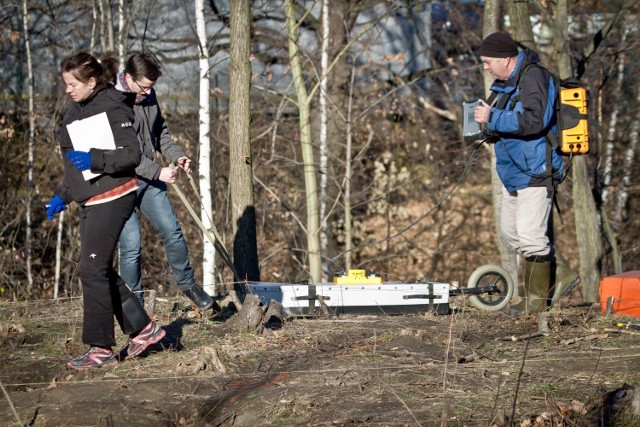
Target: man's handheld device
{"points": [[471, 130]]}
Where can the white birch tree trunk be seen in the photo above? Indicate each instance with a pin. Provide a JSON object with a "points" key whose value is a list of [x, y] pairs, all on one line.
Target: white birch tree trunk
{"points": [[609, 152], [121, 32], [324, 144], [204, 161], [94, 11], [627, 169], [32, 129], [56, 280], [613, 121], [103, 42]]}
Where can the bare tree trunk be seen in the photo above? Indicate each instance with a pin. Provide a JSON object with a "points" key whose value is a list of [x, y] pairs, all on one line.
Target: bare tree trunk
{"points": [[324, 144], [522, 32], [32, 130], [245, 248], [109, 23], [311, 187], [348, 173], [338, 19], [204, 161], [508, 257], [520, 23], [588, 231]]}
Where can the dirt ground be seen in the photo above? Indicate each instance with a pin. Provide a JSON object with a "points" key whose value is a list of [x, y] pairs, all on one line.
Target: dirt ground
{"points": [[468, 368]]}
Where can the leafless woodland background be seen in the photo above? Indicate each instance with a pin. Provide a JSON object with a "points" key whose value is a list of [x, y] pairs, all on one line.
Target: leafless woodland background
{"points": [[409, 157]]}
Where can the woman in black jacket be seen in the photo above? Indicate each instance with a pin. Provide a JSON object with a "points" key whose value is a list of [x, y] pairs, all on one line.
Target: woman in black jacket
{"points": [[100, 153]]}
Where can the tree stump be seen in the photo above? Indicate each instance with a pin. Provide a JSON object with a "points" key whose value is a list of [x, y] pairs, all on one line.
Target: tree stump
{"points": [[275, 310], [250, 317]]}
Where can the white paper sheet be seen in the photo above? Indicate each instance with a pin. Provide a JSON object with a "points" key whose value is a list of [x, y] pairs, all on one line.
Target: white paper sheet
{"points": [[92, 132]]}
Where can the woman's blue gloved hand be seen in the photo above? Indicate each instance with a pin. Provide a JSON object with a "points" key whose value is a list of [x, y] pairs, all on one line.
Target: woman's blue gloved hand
{"points": [[80, 159], [55, 206]]}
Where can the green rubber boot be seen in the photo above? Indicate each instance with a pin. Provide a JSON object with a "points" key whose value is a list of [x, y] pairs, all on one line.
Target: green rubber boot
{"points": [[537, 278]]}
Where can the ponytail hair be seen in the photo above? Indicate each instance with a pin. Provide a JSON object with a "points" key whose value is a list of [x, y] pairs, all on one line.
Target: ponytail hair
{"points": [[83, 66]]}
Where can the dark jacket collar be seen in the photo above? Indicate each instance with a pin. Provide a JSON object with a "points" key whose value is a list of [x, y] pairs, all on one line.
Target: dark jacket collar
{"points": [[99, 88], [525, 58]]}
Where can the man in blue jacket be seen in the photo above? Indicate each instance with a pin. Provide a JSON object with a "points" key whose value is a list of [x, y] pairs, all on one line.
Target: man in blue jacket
{"points": [[520, 119], [139, 76]]}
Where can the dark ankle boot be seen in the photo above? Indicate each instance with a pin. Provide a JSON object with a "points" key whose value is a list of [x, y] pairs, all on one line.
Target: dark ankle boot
{"points": [[199, 297]]}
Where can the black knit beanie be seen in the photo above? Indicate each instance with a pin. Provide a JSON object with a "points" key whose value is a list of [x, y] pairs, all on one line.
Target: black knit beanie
{"points": [[498, 45]]}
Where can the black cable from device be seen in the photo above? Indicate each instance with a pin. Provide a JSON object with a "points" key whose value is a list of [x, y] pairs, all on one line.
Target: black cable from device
{"points": [[421, 217]]}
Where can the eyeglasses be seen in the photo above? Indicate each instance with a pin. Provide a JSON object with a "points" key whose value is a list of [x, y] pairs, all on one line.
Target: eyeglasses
{"points": [[144, 88]]}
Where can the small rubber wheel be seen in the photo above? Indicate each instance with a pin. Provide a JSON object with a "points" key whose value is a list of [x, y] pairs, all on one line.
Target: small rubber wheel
{"points": [[488, 275]]}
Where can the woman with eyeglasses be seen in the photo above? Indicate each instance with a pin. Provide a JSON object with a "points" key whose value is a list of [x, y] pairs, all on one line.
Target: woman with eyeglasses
{"points": [[102, 181]]}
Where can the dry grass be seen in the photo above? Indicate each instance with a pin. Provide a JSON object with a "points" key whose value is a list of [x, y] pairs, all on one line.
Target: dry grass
{"points": [[367, 370]]}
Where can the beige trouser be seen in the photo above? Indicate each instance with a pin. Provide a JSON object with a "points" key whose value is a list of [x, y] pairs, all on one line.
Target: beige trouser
{"points": [[523, 220]]}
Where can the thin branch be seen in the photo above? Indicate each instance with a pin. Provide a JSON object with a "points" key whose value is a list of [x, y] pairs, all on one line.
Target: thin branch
{"points": [[13, 408]]}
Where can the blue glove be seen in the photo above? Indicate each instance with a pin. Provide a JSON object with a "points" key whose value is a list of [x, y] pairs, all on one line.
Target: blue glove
{"points": [[80, 159], [55, 206]]}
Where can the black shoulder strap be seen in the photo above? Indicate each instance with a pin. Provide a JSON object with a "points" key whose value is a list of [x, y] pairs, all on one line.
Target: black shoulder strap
{"points": [[505, 99], [553, 142], [492, 97]]}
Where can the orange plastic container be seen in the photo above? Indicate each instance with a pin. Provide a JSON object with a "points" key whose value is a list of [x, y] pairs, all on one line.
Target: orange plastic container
{"points": [[625, 289]]}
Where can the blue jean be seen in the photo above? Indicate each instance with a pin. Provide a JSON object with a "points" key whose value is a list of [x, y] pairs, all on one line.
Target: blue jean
{"points": [[153, 202]]}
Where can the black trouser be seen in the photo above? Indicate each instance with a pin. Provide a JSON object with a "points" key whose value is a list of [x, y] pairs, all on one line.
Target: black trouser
{"points": [[105, 294]]}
